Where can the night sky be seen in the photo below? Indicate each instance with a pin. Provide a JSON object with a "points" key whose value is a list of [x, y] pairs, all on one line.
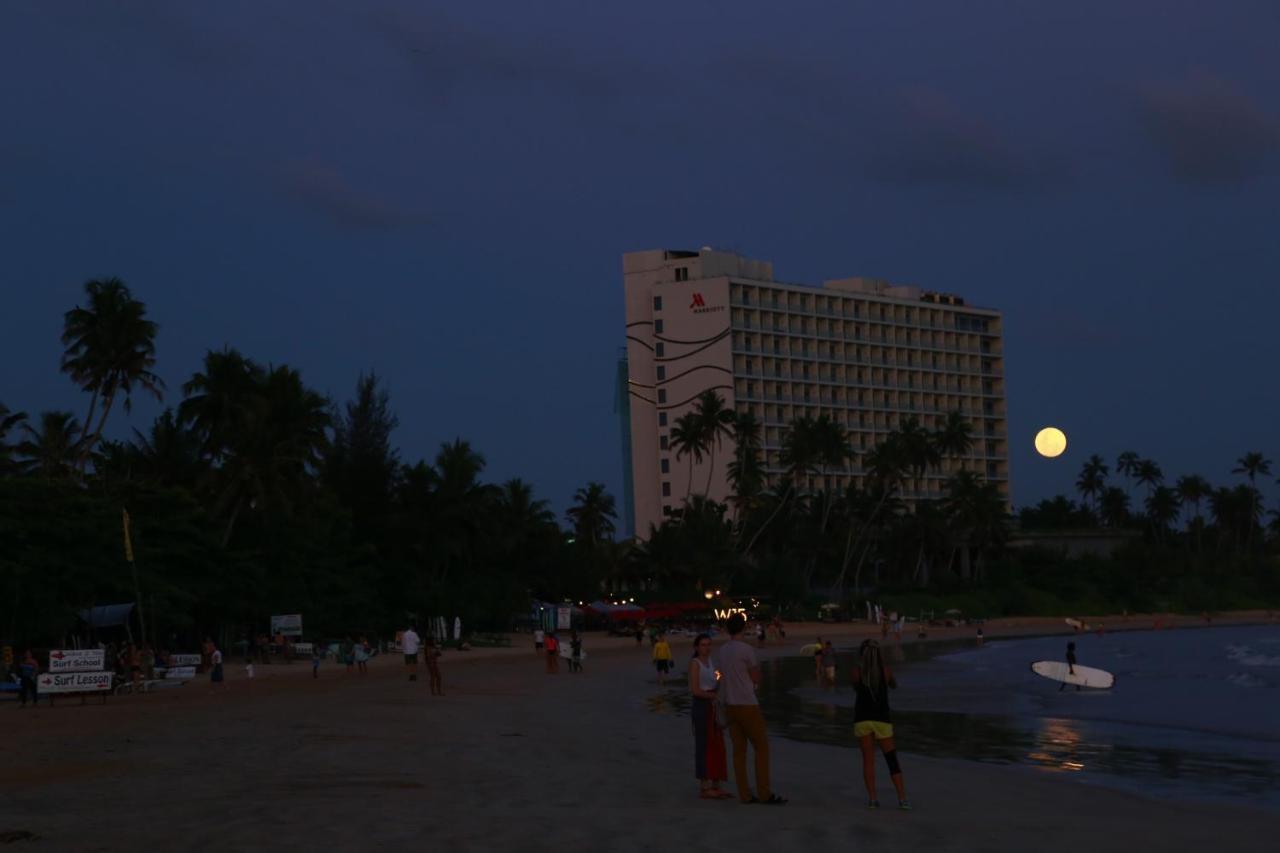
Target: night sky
{"points": [[442, 192]]}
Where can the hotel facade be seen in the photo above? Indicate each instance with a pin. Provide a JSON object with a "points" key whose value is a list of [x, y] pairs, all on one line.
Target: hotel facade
{"points": [[863, 352]]}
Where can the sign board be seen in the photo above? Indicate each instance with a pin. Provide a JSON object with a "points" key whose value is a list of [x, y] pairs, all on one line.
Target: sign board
{"points": [[563, 619], [76, 660], [184, 660], [289, 624], [73, 682], [302, 648], [180, 673]]}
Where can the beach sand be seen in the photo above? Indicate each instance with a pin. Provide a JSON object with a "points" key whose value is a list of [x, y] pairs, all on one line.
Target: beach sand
{"points": [[515, 759]]}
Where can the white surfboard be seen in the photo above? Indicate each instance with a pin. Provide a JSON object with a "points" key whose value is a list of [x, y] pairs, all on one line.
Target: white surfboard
{"points": [[809, 649], [1077, 624], [1081, 676], [567, 653]]}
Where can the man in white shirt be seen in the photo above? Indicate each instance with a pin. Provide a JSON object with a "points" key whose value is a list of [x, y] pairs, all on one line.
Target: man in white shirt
{"points": [[538, 637], [739, 676], [409, 644]]}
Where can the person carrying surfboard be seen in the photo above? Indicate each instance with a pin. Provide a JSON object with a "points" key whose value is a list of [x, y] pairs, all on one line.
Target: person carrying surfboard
{"points": [[1071, 666], [872, 681]]}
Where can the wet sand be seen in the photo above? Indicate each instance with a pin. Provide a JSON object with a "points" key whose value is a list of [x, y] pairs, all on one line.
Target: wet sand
{"points": [[513, 758]]}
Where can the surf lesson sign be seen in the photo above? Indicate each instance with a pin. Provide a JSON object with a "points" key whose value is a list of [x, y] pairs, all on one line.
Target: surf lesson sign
{"points": [[180, 673], [289, 624], [177, 661], [74, 682], [76, 660]]}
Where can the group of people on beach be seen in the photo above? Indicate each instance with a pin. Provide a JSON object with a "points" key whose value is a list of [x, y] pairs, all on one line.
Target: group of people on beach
{"points": [[549, 642], [724, 699], [411, 645]]}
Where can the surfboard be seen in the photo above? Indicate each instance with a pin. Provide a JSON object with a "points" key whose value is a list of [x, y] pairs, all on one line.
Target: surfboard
{"points": [[1083, 676], [567, 653], [809, 649], [1077, 624]]}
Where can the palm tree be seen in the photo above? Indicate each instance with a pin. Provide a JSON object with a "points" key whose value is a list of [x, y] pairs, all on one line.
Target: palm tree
{"points": [[1253, 464], [170, 454], [592, 514], [1163, 505], [1192, 489], [110, 347], [1092, 479], [746, 472], [50, 449], [954, 438], [800, 456], [716, 423], [219, 400], [687, 439], [884, 467], [978, 516], [1113, 507], [918, 449], [8, 420], [1148, 474], [1127, 464]]}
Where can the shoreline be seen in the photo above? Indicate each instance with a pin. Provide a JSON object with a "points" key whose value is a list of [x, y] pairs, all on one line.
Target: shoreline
{"points": [[513, 757]]}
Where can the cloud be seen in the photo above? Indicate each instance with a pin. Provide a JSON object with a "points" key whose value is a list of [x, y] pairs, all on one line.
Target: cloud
{"points": [[1209, 131], [927, 140], [323, 189]]}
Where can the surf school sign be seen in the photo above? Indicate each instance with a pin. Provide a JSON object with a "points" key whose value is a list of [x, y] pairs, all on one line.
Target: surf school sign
{"points": [[76, 660], [74, 682]]}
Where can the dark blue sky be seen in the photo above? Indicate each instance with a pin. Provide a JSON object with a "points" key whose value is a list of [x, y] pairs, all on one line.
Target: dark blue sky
{"points": [[444, 196]]}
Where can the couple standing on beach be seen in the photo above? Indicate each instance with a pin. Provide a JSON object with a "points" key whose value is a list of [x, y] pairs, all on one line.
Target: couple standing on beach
{"points": [[726, 698]]}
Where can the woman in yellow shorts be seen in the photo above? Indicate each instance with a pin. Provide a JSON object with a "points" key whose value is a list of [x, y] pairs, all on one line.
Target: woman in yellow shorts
{"points": [[872, 724]]}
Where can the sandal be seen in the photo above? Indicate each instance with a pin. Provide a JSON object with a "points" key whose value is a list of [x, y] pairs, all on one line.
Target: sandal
{"points": [[774, 800]]}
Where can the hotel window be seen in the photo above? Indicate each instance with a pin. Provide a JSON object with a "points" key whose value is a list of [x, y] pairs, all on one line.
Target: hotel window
{"points": [[662, 418], [663, 442], [750, 366], [665, 466], [657, 325], [662, 395], [662, 372], [682, 273], [657, 303], [666, 489], [659, 350]]}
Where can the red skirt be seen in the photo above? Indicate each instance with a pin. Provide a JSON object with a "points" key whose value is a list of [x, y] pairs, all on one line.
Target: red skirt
{"points": [[708, 742]]}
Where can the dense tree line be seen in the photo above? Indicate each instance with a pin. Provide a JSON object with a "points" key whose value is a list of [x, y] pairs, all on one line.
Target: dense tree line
{"points": [[253, 495]]}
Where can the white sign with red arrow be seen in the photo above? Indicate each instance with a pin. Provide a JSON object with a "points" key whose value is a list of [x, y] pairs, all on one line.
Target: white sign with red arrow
{"points": [[76, 660], [73, 682]]}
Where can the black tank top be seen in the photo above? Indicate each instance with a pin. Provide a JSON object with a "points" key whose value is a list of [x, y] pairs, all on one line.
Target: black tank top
{"points": [[871, 706]]}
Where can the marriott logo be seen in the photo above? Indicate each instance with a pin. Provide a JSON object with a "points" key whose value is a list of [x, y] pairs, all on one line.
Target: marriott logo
{"points": [[699, 305]]}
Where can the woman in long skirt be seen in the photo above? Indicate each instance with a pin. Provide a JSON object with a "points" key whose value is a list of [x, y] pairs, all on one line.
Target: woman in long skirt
{"points": [[708, 738]]}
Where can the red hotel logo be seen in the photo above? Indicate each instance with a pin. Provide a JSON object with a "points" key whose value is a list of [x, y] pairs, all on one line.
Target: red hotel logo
{"points": [[699, 305]]}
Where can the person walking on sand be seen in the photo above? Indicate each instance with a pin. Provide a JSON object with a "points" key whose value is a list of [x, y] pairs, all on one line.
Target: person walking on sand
{"points": [[829, 664], [739, 677], [662, 658], [315, 660], [362, 655], [575, 653], [1071, 665], [538, 638], [28, 670], [431, 653], [553, 653], [872, 724], [708, 738], [817, 659], [409, 643], [215, 668]]}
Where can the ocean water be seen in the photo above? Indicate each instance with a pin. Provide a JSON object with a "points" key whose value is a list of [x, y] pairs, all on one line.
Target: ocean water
{"points": [[1194, 713]]}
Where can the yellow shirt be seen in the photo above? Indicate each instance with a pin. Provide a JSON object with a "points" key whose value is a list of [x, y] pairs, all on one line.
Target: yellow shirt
{"points": [[661, 651]]}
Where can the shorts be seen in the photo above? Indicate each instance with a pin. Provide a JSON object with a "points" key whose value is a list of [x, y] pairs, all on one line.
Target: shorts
{"points": [[663, 665], [881, 731], [408, 658], [537, 645]]}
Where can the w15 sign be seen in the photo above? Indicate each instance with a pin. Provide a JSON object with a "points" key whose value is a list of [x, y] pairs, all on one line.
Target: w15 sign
{"points": [[73, 682], [76, 660]]}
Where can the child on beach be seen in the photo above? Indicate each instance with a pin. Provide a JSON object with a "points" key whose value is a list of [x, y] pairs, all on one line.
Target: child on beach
{"points": [[575, 653], [28, 669], [215, 668], [662, 658], [553, 654], [248, 667], [315, 660], [872, 681], [362, 655], [432, 654]]}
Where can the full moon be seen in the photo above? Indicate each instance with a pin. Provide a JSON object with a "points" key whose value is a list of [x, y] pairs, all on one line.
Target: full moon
{"points": [[1050, 442]]}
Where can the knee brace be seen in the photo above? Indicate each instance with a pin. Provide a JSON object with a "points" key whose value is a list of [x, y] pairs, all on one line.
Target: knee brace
{"points": [[891, 758]]}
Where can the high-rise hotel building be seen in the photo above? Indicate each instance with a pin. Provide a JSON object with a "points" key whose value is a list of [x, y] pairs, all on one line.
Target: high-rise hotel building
{"points": [[864, 352]]}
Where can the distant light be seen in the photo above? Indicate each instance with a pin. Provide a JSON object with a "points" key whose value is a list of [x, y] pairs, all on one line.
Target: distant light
{"points": [[708, 595], [1051, 442]]}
